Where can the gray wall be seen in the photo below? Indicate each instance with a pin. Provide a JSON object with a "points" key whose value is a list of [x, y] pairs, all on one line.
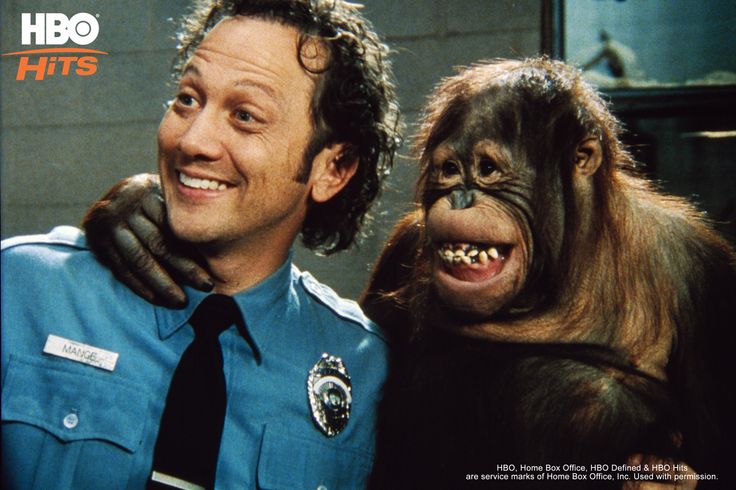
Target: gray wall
{"points": [[65, 140]]}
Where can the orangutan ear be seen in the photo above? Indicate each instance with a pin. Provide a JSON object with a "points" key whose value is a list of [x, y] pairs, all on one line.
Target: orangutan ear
{"points": [[330, 173], [588, 156]]}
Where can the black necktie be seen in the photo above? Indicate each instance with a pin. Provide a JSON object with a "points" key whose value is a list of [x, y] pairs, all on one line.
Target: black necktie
{"points": [[191, 427]]}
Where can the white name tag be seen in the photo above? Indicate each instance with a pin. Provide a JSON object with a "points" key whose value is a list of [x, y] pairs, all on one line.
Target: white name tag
{"points": [[76, 351]]}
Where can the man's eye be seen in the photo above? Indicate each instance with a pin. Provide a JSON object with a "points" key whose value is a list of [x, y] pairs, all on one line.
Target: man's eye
{"points": [[450, 168], [185, 99], [244, 116]]}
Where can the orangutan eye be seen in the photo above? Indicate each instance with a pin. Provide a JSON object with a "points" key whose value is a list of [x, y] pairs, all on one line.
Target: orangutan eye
{"points": [[450, 168], [486, 166]]}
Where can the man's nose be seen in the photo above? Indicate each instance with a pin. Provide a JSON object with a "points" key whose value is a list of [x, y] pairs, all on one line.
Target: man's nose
{"points": [[202, 139]]}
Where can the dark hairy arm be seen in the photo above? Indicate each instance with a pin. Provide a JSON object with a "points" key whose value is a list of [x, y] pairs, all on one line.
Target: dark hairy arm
{"points": [[128, 232]]}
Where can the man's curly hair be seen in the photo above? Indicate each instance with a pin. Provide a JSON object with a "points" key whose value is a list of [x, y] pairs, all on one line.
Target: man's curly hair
{"points": [[354, 101]]}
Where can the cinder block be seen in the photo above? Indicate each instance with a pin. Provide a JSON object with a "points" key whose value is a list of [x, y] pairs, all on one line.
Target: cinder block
{"points": [[129, 87], [123, 32], [485, 16], [407, 18], [53, 100], [464, 50], [126, 87], [165, 18], [421, 64], [65, 165], [34, 219]]}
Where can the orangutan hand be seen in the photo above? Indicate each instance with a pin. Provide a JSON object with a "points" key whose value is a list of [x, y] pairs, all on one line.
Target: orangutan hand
{"points": [[128, 232]]}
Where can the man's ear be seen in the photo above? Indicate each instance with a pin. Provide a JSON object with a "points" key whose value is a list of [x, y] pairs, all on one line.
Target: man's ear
{"points": [[588, 156], [330, 172]]}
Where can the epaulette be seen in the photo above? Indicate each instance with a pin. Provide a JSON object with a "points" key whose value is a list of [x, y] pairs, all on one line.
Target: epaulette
{"points": [[344, 308], [61, 235]]}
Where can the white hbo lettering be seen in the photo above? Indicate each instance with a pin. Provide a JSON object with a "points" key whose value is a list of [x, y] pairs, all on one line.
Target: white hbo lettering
{"points": [[57, 29]]}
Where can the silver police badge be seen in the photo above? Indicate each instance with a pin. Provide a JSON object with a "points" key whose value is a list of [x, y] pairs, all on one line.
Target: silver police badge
{"points": [[330, 394]]}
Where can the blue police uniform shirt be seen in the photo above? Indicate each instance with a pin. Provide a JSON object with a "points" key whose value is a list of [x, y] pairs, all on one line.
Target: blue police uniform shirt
{"points": [[67, 424]]}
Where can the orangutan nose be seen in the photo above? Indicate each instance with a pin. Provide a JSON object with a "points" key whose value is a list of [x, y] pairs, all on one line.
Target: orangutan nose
{"points": [[462, 198]]}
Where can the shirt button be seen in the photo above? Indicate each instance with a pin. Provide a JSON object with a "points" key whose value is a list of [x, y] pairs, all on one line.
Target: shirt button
{"points": [[71, 420]]}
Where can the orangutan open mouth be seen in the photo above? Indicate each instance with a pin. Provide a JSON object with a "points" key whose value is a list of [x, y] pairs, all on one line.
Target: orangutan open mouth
{"points": [[473, 262], [472, 253]]}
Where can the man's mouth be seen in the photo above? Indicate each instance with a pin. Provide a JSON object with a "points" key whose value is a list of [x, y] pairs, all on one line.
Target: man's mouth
{"points": [[197, 183]]}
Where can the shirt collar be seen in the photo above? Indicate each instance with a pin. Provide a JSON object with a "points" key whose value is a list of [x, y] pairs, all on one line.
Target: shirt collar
{"points": [[256, 305]]}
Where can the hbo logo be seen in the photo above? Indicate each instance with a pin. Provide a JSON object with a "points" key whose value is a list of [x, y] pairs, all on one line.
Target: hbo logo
{"points": [[56, 29]]}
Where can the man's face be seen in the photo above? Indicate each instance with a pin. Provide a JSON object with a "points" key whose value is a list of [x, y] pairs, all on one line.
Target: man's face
{"points": [[232, 142]]}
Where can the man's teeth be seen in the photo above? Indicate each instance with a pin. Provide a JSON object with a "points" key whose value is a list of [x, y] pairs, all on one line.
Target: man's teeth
{"points": [[468, 253], [196, 183]]}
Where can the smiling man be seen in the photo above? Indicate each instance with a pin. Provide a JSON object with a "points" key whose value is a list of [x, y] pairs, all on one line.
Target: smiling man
{"points": [[284, 122], [231, 151]]}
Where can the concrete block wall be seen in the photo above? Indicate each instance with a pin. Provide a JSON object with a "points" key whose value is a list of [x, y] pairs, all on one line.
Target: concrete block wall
{"points": [[65, 140]]}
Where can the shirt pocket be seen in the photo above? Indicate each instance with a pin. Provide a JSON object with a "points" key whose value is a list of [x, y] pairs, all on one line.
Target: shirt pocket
{"points": [[68, 426], [289, 461]]}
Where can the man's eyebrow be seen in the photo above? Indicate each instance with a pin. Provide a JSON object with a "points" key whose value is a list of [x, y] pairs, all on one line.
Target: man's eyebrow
{"points": [[190, 68], [270, 91], [245, 82]]}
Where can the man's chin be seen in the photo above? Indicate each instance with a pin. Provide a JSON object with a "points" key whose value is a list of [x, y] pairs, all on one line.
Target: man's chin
{"points": [[188, 230]]}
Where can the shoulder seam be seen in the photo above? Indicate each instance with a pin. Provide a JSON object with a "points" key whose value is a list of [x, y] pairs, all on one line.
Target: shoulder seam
{"points": [[67, 236], [313, 287]]}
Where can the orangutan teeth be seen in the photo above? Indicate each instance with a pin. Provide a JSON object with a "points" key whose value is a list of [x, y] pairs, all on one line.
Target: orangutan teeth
{"points": [[196, 183], [469, 253]]}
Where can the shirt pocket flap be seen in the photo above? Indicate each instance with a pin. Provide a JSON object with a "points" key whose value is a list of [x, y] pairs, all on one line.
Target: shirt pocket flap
{"points": [[73, 402], [288, 461]]}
